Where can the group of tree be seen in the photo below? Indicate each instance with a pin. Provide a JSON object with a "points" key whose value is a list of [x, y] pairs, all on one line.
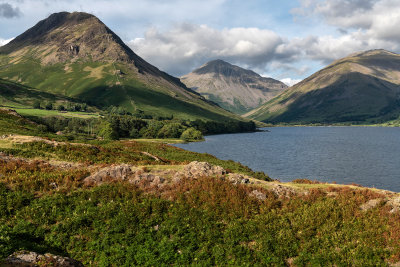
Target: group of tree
{"points": [[115, 126], [68, 106], [125, 126]]}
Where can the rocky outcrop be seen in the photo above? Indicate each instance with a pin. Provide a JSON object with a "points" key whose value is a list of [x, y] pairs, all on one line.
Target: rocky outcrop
{"points": [[112, 173], [395, 204], [370, 204], [197, 169], [28, 258], [237, 178], [127, 173], [285, 191], [259, 195]]}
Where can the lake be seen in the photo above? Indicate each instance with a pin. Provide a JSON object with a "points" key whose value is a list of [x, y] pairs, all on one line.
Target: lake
{"points": [[369, 156]]}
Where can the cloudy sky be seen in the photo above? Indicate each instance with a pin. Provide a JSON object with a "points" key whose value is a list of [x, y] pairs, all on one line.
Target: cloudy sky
{"points": [[286, 39]]}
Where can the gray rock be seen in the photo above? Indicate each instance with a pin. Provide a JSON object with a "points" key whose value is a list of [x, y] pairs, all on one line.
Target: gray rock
{"points": [[395, 204], [259, 195], [29, 258], [280, 190], [197, 169], [118, 172], [237, 178], [370, 204]]}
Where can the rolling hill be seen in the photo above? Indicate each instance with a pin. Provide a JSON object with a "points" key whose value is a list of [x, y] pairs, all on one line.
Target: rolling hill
{"points": [[233, 88], [76, 55], [363, 87]]}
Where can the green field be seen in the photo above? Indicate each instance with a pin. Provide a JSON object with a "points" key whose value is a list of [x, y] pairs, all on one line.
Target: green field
{"points": [[43, 113]]}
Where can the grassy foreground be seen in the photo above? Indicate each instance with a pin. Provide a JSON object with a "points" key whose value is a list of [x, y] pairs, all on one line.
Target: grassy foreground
{"points": [[45, 206]]}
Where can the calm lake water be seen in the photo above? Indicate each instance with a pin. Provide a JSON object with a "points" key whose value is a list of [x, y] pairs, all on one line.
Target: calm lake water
{"points": [[369, 156]]}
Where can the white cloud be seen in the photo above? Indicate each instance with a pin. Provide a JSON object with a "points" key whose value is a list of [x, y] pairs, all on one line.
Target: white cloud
{"points": [[187, 46], [4, 42], [290, 81]]}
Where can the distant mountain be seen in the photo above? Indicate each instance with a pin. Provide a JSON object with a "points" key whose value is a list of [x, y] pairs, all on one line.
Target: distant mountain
{"points": [[363, 87], [76, 55], [233, 88]]}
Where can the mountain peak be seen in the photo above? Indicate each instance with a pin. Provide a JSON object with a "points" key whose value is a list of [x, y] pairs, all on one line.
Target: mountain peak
{"points": [[220, 67], [232, 87], [67, 36]]}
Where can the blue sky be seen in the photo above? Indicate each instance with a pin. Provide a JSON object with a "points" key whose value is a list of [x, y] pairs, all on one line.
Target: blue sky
{"points": [[286, 40]]}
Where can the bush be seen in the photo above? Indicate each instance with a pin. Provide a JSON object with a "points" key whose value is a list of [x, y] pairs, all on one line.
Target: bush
{"points": [[171, 130], [191, 134]]}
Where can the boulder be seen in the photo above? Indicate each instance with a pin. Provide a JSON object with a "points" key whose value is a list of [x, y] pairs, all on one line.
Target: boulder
{"points": [[29, 258], [112, 173], [285, 191], [395, 204], [237, 178], [197, 169], [370, 204], [257, 194]]}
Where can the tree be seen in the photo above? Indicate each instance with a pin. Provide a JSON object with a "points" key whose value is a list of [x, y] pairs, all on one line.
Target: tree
{"points": [[107, 132], [36, 104], [49, 106], [171, 130], [60, 108], [191, 134]]}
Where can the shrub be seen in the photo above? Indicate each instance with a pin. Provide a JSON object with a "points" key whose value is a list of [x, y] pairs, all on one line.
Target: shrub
{"points": [[191, 134]]}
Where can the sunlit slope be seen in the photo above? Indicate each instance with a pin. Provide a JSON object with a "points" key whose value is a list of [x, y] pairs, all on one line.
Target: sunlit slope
{"points": [[363, 87]]}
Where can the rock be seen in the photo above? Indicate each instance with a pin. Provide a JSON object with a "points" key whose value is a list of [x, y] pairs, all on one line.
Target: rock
{"points": [[118, 172], [395, 204], [280, 190], [237, 178], [29, 258], [197, 169], [257, 194], [370, 204]]}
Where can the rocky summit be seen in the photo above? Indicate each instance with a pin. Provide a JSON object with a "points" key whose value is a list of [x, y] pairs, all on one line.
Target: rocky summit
{"points": [[233, 88], [363, 87]]}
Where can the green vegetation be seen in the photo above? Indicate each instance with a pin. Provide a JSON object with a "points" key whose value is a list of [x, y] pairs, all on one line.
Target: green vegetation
{"points": [[205, 221], [201, 222], [10, 123]]}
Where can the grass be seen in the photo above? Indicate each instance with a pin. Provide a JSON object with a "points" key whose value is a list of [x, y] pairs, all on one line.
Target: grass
{"points": [[9, 123], [44, 113]]}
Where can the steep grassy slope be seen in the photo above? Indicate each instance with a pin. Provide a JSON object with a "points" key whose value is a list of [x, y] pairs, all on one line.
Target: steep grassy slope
{"points": [[76, 55], [233, 88], [364, 87], [17, 95]]}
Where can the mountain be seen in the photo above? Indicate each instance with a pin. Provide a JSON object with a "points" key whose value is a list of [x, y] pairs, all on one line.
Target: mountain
{"points": [[363, 87], [233, 88], [76, 55]]}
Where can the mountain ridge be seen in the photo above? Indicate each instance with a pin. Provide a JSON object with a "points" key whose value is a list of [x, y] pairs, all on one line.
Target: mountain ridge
{"points": [[232, 87], [362, 87]]}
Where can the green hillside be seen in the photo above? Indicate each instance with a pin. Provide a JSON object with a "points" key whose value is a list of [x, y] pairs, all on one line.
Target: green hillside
{"points": [[364, 87], [17, 95], [76, 55]]}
